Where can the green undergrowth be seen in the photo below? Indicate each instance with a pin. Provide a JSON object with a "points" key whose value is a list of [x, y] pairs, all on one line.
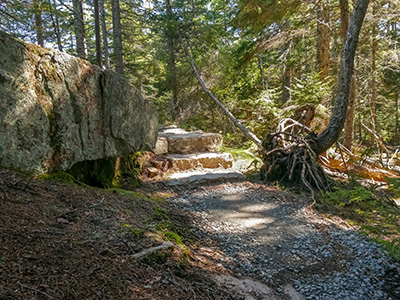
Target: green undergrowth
{"points": [[161, 225], [240, 153], [164, 225], [244, 154], [371, 210]]}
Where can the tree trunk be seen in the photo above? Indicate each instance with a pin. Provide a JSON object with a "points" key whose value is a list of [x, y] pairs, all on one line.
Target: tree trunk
{"points": [[331, 134], [286, 75], [54, 18], [38, 22], [360, 133], [397, 138], [349, 123], [80, 34], [104, 34], [286, 83], [170, 31], [116, 17], [97, 32], [374, 46], [323, 40]]}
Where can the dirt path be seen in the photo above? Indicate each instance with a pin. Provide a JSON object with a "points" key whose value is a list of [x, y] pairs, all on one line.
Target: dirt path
{"points": [[274, 236], [64, 241]]}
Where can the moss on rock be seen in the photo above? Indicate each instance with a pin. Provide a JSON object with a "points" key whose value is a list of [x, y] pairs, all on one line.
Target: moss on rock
{"points": [[108, 172]]}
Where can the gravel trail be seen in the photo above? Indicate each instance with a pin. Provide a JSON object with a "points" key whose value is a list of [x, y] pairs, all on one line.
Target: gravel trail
{"points": [[275, 237]]}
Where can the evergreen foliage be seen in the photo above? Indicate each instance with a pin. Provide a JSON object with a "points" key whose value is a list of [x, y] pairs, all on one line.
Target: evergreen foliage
{"points": [[242, 49]]}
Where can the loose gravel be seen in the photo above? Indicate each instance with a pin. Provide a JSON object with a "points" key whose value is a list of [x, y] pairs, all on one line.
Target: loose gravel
{"points": [[275, 237]]}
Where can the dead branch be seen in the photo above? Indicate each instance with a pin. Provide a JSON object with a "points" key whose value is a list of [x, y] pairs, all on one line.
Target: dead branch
{"points": [[377, 137], [231, 117], [151, 250]]}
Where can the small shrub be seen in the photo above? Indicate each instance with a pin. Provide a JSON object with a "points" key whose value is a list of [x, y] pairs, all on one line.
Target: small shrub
{"points": [[173, 237]]}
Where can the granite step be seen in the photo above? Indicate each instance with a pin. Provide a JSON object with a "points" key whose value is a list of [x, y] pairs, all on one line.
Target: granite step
{"points": [[183, 162], [203, 177], [175, 140]]}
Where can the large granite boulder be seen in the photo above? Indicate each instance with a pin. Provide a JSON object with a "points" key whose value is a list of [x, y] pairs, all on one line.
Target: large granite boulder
{"points": [[57, 110]]}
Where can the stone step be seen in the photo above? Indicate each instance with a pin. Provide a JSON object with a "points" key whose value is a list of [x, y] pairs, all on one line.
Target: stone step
{"points": [[178, 140], [183, 162], [204, 177]]}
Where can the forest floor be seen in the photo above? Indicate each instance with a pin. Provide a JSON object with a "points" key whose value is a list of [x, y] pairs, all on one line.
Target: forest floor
{"points": [[240, 240]]}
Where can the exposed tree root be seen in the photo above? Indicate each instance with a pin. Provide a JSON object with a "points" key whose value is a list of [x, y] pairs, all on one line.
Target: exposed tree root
{"points": [[289, 157]]}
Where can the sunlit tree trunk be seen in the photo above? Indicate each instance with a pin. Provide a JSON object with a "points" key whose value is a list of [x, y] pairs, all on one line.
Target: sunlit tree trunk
{"points": [[117, 32], [360, 133], [323, 39], [97, 32], [170, 32], [104, 34], [374, 46], [38, 22], [396, 132], [54, 18], [349, 123], [331, 134], [80, 34], [286, 73]]}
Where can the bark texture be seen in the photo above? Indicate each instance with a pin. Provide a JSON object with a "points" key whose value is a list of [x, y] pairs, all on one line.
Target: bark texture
{"points": [[104, 34], [323, 39], [56, 23], [117, 32], [38, 23], [97, 32], [171, 33], [331, 134], [80, 34], [374, 46], [349, 123]]}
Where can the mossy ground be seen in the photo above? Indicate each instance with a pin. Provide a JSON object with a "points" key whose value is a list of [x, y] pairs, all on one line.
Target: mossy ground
{"points": [[367, 208]]}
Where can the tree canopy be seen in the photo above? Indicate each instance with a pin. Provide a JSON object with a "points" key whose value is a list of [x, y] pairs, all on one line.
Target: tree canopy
{"points": [[263, 59]]}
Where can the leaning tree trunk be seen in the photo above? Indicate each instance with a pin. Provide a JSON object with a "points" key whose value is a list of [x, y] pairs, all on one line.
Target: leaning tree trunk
{"points": [[251, 136], [289, 153], [374, 46], [331, 134], [349, 123]]}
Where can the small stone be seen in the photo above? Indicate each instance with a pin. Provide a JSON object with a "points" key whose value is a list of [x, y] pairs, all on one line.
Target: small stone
{"points": [[152, 172]]}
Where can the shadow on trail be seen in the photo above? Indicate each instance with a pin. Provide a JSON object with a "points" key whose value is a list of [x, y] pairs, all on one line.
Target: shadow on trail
{"points": [[274, 236]]}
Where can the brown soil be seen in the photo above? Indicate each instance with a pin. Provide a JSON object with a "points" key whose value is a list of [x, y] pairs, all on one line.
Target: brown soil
{"points": [[60, 241]]}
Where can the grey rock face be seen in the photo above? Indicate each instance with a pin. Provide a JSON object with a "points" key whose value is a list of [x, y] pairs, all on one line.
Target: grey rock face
{"points": [[57, 110]]}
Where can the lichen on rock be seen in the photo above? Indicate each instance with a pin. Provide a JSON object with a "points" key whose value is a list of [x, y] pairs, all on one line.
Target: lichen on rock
{"points": [[57, 110]]}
